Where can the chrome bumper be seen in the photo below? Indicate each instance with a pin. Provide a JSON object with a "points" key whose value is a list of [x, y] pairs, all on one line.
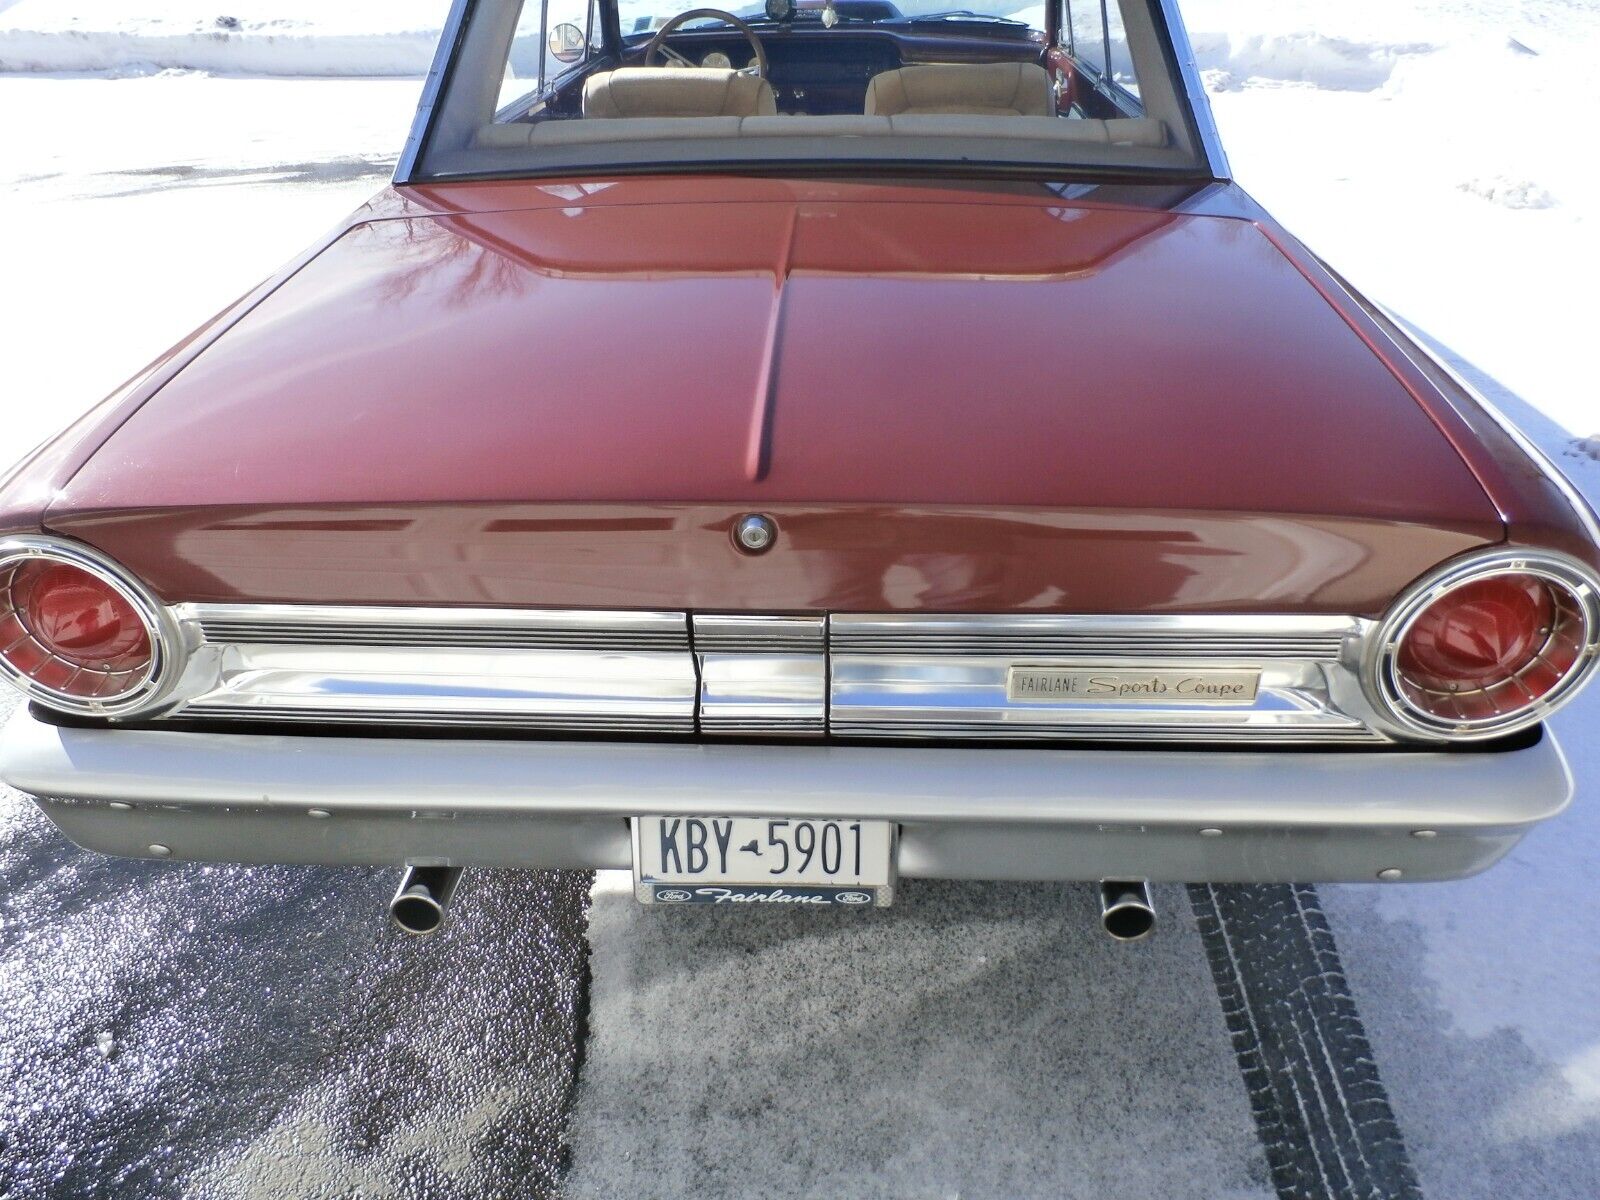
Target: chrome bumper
{"points": [[965, 813]]}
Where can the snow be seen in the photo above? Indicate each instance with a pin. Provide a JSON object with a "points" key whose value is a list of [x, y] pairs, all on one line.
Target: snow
{"points": [[977, 1039], [1435, 151], [139, 228], [300, 37]]}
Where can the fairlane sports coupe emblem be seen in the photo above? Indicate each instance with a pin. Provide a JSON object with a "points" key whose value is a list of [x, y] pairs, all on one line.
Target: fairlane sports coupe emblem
{"points": [[1088, 685]]}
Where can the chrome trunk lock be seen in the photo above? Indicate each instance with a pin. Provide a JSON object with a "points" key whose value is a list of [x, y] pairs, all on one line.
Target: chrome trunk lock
{"points": [[755, 533]]}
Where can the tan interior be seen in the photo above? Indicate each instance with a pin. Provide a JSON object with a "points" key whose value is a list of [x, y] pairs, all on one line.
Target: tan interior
{"points": [[676, 92], [962, 89], [994, 102], [971, 112]]}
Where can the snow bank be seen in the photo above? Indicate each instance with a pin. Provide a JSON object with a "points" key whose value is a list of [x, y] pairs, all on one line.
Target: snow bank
{"points": [[1338, 64], [298, 37], [1373, 45], [1355, 45]]}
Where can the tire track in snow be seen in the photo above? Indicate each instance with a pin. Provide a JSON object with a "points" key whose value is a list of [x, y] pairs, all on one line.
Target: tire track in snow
{"points": [[1321, 1111]]}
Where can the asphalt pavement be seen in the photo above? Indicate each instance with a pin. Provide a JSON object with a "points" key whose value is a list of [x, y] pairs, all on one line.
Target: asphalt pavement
{"points": [[171, 1030]]}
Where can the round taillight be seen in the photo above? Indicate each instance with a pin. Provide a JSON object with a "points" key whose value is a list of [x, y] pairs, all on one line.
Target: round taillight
{"points": [[75, 632], [1489, 646]]}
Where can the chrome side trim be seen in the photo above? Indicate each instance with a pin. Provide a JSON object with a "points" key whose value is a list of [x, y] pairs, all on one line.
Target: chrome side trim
{"points": [[1195, 91], [762, 675]]}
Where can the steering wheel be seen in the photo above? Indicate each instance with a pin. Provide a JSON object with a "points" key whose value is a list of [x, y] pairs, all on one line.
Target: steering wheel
{"points": [[658, 53]]}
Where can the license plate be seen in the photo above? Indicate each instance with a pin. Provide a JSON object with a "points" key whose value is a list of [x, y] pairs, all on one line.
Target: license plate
{"points": [[762, 860]]}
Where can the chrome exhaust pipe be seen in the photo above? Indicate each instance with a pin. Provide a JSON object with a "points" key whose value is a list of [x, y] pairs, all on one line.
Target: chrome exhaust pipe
{"points": [[1126, 910], [423, 895]]}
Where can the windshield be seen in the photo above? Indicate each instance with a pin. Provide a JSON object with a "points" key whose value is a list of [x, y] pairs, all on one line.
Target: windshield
{"points": [[578, 86]]}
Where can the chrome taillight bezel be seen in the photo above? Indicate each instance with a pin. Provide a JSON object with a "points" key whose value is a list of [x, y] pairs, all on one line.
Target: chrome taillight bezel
{"points": [[1382, 671], [153, 683]]}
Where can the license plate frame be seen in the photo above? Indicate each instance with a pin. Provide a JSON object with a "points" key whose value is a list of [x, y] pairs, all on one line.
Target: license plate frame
{"points": [[733, 874]]}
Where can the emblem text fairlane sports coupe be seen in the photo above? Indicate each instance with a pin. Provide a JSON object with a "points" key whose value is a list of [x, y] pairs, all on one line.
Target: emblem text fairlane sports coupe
{"points": [[789, 451]]}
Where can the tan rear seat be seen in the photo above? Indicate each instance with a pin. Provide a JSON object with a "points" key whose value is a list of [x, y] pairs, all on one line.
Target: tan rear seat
{"points": [[962, 89], [676, 92]]}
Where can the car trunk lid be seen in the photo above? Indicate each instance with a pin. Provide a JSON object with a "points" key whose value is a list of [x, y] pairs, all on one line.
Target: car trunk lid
{"points": [[1004, 399]]}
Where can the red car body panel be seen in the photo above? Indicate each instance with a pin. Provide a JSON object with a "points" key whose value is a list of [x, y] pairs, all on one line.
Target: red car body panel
{"points": [[849, 558], [952, 397], [1052, 356]]}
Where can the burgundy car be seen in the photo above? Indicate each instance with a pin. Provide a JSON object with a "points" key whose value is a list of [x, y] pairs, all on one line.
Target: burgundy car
{"points": [[786, 452]]}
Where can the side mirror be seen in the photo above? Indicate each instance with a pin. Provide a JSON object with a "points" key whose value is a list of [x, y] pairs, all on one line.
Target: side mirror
{"points": [[566, 42]]}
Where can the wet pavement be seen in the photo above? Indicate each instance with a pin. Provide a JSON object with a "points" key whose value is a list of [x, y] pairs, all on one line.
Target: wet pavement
{"points": [[196, 1031]]}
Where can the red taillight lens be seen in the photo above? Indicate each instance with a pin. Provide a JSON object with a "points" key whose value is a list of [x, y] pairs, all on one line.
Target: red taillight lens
{"points": [[66, 630], [1491, 648]]}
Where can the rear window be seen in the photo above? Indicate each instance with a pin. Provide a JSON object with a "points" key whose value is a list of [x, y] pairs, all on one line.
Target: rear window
{"points": [[563, 86]]}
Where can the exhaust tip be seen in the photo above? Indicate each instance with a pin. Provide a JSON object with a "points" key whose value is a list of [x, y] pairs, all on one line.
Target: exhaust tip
{"points": [[417, 913], [1126, 911], [419, 904]]}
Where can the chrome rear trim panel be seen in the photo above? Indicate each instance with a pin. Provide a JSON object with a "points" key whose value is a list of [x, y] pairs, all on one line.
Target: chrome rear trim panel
{"points": [[1317, 638], [946, 677], [762, 675], [753, 675], [334, 625], [622, 672]]}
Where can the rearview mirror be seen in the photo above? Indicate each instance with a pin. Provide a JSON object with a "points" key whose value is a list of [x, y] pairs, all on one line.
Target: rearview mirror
{"points": [[566, 43]]}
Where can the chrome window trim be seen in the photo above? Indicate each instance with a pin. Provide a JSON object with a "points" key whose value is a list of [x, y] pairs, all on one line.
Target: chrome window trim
{"points": [[166, 643], [1382, 671], [1171, 33], [1194, 91], [405, 169]]}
